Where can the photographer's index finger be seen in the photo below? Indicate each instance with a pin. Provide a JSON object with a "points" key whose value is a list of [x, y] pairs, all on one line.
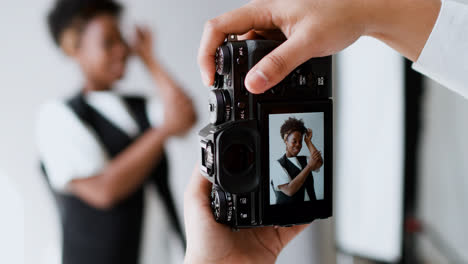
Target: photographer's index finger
{"points": [[238, 21]]}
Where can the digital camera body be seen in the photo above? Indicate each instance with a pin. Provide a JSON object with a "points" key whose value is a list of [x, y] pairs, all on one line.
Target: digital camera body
{"points": [[242, 150]]}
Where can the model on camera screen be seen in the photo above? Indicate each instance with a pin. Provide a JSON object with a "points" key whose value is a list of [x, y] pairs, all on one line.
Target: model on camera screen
{"points": [[296, 157]]}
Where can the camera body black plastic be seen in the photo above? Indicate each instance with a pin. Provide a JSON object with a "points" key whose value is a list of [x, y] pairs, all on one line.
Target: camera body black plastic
{"points": [[235, 148]]}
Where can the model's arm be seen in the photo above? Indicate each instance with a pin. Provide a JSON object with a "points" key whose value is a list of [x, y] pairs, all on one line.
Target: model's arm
{"points": [[174, 98], [76, 163], [316, 160], [124, 174], [311, 146], [292, 187]]}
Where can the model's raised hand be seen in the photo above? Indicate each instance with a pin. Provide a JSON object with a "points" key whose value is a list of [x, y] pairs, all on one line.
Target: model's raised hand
{"points": [[308, 135], [143, 44]]}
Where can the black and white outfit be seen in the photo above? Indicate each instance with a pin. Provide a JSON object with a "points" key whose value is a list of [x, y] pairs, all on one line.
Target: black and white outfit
{"points": [[284, 171], [76, 140]]}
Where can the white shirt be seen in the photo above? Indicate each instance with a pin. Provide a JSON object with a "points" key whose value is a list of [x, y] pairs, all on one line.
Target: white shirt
{"points": [[444, 58], [69, 148], [280, 176]]}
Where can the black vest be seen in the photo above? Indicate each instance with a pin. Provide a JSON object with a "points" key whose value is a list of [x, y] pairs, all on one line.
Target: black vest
{"points": [[95, 236], [293, 171]]}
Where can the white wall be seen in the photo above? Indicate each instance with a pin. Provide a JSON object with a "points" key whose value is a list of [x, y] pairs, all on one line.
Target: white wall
{"points": [[369, 150], [443, 179], [32, 70], [12, 222]]}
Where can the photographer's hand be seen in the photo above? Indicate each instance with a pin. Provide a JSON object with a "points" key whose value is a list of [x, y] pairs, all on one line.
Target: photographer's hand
{"points": [[211, 242], [316, 28]]}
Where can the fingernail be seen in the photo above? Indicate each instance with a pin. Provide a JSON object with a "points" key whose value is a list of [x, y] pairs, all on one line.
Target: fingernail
{"points": [[256, 81]]}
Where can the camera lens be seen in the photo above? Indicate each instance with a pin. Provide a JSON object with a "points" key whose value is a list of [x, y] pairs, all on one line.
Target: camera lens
{"points": [[238, 158], [220, 106]]}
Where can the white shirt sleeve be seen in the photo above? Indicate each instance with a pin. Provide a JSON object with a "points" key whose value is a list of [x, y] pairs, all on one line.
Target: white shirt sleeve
{"points": [[155, 112], [279, 176], [444, 58], [68, 149]]}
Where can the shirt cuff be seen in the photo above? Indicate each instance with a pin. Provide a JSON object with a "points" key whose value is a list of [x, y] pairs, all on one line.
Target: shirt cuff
{"points": [[444, 58]]}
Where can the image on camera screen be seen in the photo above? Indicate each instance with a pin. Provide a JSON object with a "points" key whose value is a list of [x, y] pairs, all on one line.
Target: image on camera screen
{"points": [[296, 143]]}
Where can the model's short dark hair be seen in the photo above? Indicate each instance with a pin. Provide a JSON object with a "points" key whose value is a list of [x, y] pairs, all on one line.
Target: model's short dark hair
{"points": [[292, 125], [67, 13]]}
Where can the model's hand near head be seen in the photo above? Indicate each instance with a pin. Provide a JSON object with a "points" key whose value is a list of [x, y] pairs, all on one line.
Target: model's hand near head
{"points": [[143, 44], [211, 242], [179, 112], [316, 28], [308, 135]]}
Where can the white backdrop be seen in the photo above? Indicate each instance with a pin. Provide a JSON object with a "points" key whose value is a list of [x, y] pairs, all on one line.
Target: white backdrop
{"points": [[32, 70]]}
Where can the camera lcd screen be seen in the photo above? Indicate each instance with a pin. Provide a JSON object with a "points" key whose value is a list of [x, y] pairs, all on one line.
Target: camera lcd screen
{"points": [[296, 157]]}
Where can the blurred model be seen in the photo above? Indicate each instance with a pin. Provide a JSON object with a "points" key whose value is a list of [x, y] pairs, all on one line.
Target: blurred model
{"points": [[100, 149]]}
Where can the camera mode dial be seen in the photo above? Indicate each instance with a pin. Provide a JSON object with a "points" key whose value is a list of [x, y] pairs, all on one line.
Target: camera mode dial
{"points": [[220, 106], [222, 205], [223, 60]]}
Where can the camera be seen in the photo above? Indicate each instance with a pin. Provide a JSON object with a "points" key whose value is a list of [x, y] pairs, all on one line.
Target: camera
{"points": [[269, 156]]}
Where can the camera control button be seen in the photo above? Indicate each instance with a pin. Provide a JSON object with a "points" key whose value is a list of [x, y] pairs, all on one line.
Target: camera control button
{"points": [[241, 105], [244, 215], [243, 200], [218, 81], [223, 60], [240, 60], [302, 80], [320, 79]]}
